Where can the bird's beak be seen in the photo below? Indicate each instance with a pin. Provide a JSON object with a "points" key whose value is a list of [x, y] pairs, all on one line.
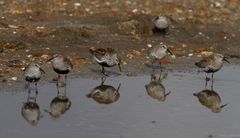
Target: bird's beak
{"points": [[42, 70], [50, 59], [223, 106], [170, 52], [225, 59], [118, 87]]}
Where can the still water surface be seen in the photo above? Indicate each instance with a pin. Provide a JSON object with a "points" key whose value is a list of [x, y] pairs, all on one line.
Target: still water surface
{"points": [[130, 111]]}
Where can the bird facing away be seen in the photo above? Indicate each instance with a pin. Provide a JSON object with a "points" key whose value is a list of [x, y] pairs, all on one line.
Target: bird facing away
{"points": [[105, 94], [158, 52], [161, 22], [33, 73], [211, 64], [210, 99], [105, 57], [61, 65], [156, 89]]}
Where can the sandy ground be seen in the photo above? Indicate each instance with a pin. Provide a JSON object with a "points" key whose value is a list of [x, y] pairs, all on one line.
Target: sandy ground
{"points": [[34, 31]]}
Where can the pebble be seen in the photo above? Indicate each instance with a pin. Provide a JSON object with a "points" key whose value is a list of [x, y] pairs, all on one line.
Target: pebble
{"points": [[14, 78], [149, 45]]}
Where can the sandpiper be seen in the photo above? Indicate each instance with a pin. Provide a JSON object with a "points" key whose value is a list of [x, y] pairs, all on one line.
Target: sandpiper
{"points": [[105, 94], [161, 23], [210, 99], [61, 65], [211, 64], [155, 88], [33, 73], [106, 58], [158, 52]]}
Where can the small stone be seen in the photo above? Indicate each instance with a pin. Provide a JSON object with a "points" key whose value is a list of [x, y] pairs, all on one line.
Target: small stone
{"points": [[77, 4], [134, 10], [149, 45], [14, 78], [190, 54]]}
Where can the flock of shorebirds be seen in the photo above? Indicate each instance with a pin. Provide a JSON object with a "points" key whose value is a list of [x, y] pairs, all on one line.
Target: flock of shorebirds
{"points": [[108, 57]]}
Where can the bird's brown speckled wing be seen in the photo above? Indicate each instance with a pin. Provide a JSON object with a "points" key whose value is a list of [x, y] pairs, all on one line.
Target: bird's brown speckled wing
{"points": [[66, 60], [203, 63], [99, 53]]}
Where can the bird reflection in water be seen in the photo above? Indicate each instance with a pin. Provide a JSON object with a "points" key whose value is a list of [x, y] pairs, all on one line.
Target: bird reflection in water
{"points": [[210, 99], [155, 88], [59, 104], [105, 94], [30, 110]]}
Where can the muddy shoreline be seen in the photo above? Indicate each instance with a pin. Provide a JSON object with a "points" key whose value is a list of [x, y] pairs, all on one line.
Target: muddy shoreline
{"points": [[34, 31]]}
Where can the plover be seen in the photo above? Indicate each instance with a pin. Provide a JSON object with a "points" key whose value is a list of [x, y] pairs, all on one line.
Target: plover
{"points": [[105, 94], [105, 57], [33, 74], [210, 99], [211, 64], [155, 88], [161, 23], [30, 110], [158, 52], [61, 65]]}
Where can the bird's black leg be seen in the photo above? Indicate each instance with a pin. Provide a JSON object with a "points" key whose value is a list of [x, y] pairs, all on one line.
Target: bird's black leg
{"points": [[207, 79], [206, 83], [153, 70], [161, 69], [29, 87], [212, 82], [36, 88], [59, 77], [57, 84], [65, 87], [103, 71]]}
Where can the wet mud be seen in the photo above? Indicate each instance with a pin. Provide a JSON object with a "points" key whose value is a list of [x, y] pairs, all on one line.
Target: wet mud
{"points": [[34, 31]]}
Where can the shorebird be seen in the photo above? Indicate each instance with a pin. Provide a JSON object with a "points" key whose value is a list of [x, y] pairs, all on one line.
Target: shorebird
{"points": [[211, 64], [210, 99], [33, 73], [105, 94], [61, 65], [161, 23], [158, 52], [106, 58], [156, 89]]}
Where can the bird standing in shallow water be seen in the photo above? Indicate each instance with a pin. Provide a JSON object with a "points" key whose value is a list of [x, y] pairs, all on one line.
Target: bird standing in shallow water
{"points": [[211, 64], [33, 73], [158, 52], [61, 65], [106, 58]]}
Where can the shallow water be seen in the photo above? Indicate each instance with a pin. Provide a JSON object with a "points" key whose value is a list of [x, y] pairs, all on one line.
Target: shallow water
{"points": [[134, 114]]}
